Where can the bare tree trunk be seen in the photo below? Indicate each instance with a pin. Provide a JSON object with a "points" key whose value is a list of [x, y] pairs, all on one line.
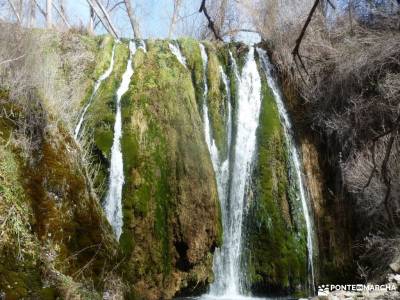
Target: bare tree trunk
{"points": [[101, 12], [61, 14], [132, 18], [91, 21], [177, 4], [221, 16], [63, 10], [32, 14], [351, 16], [15, 11], [49, 4], [21, 10], [40, 8]]}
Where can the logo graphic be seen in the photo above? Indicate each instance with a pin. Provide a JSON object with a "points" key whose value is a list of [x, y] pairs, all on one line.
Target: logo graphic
{"points": [[323, 290]]}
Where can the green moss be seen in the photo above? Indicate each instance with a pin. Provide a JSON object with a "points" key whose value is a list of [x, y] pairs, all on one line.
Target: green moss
{"points": [[277, 247], [239, 51], [103, 55], [191, 51], [52, 225], [102, 47], [162, 140], [101, 115], [216, 101], [19, 249]]}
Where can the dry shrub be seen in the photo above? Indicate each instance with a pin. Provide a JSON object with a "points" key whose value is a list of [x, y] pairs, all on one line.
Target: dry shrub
{"points": [[54, 64], [380, 252], [350, 87]]}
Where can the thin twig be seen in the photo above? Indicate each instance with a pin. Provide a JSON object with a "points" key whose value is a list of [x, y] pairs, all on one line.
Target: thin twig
{"points": [[12, 59]]}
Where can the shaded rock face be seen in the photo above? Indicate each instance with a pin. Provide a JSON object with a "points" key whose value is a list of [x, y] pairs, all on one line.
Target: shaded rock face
{"points": [[333, 207]]}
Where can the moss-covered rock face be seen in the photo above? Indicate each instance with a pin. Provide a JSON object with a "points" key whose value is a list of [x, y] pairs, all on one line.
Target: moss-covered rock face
{"points": [[52, 224], [170, 203], [50, 200], [99, 123], [275, 255], [55, 240]]}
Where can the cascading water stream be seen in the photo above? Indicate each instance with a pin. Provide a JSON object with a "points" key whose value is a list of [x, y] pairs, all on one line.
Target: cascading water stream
{"points": [[249, 105], [294, 154], [228, 276], [112, 204], [177, 52], [97, 84]]}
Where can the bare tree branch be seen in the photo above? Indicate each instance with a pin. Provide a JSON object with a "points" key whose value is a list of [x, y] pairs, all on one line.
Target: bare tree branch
{"points": [[61, 14], [331, 4], [132, 19], [12, 59], [102, 14], [174, 19], [49, 4], [15, 11], [32, 14], [371, 175], [295, 51], [40, 8], [386, 178], [211, 24]]}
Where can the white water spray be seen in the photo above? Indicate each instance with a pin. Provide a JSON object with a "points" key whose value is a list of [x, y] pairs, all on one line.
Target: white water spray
{"points": [[112, 204], [177, 52], [249, 106], [97, 84], [289, 135], [228, 275]]}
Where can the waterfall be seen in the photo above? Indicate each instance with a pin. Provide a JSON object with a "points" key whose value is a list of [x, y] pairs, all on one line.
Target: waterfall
{"points": [[97, 84], [295, 157], [228, 275], [221, 171], [249, 106], [112, 204], [177, 52]]}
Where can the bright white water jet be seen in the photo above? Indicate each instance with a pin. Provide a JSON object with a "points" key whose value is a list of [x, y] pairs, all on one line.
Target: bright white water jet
{"points": [[112, 204], [97, 84], [294, 154], [249, 105], [228, 275], [177, 52], [221, 265]]}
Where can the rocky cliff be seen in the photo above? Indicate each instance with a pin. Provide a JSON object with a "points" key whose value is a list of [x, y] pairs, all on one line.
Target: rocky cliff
{"points": [[55, 238]]}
